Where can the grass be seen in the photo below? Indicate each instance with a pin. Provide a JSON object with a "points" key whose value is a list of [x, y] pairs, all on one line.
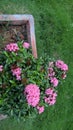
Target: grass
{"points": [[54, 34]]}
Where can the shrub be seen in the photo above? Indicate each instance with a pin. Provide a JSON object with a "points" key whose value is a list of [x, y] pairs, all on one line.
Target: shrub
{"points": [[28, 85]]}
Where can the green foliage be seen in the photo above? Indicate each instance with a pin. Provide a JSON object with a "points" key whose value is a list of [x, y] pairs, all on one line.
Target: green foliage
{"points": [[12, 99], [19, 69]]}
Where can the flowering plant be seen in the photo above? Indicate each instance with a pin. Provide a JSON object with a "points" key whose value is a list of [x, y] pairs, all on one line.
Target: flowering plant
{"points": [[28, 85]]}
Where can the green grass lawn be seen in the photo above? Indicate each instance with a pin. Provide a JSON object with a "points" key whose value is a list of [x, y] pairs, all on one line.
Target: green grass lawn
{"points": [[54, 34]]}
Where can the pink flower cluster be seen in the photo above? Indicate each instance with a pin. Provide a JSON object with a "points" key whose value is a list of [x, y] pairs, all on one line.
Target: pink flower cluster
{"points": [[54, 81], [32, 93], [40, 109], [26, 45], [12, 47], [16, 72], [50, 97], [61, 65], [52, 77], [51, 72], [1, 68]]}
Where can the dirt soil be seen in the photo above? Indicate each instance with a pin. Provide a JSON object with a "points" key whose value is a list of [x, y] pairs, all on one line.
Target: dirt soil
{"points": [[12, 33]]}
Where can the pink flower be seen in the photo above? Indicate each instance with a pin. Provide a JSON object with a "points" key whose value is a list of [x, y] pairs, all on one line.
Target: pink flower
{"points": [[51, 72], [16, 72], [59, 64], [18, 77], [50, 97], [40, 109], [12, 47], [1, 68], [32, 93], [49, 91], [54, 81], [26, 45], [52, 102], [64, 67]]}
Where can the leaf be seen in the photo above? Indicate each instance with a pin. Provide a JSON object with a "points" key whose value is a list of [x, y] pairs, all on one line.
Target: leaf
{"points": [[6, 54], [11, 112]]}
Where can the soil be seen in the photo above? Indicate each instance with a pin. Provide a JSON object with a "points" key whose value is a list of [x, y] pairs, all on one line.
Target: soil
{"points": [[12, 34]]}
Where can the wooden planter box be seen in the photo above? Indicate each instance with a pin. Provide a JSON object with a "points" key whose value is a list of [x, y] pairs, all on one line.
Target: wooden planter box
{"points": [[16, 22]]}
